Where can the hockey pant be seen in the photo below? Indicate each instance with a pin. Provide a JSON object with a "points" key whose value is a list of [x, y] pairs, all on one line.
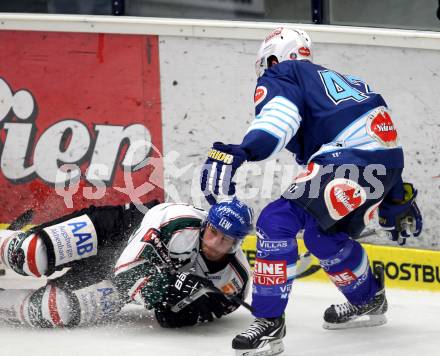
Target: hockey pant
{"points": [[54, 305], [91, 237], [344, 260]]}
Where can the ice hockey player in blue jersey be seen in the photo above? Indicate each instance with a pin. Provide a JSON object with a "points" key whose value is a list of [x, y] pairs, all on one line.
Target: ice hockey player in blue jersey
{"points": [[341, 131]]}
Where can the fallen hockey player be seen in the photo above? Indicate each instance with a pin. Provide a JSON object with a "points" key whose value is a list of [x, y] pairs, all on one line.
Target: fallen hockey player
{"points": [[175, 259]]}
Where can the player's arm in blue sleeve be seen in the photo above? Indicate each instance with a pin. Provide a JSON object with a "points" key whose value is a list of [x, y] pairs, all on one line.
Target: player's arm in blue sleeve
{"points": [[253, 145], [277, 119]]}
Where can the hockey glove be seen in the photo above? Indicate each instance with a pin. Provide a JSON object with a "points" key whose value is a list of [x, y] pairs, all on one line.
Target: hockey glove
{"points": [[189, 300], [219, 169], [220, 304], [184, 285], [169, 319], [401, 219], [202, 310], [198, 311]]}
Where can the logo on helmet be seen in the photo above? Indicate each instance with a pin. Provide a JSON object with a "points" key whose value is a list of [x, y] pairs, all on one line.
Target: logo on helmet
{"points": [[293, 56], [273, 34], [304, 51], [228, 211], [225, 224]]}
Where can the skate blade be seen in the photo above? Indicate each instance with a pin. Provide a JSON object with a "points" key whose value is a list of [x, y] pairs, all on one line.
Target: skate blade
{"points": [[361, 322], [270, 349]]}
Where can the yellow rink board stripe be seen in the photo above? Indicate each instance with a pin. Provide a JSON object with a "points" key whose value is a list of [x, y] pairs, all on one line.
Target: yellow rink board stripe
{"points": [[24, 228], [405, 268]]}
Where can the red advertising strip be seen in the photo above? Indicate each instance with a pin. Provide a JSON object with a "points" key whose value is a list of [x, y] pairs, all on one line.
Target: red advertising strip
{"points": [[343, 279], [269, 273], [80, 121]]}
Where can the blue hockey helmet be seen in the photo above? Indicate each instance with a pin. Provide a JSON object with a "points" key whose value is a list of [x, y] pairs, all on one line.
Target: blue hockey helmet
{"points": [[232, 217]]}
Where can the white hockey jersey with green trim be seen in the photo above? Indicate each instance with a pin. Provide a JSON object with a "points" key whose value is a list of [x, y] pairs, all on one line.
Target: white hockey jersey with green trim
{"points": [[180, 227]]}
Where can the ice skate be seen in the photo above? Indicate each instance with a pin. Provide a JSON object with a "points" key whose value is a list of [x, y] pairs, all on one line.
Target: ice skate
{"points": [[262, 338], [347, 315]]}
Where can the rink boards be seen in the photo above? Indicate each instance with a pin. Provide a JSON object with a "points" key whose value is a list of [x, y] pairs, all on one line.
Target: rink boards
{"points": [[405, 268], [82, 94]]}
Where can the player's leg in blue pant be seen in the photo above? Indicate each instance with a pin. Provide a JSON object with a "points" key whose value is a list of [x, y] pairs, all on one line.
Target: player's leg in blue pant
{"points": [[274, 270], [344, 260], [346, 263], [277, 253]]}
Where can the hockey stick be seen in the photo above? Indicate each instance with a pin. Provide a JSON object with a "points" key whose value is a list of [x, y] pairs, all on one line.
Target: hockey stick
{"points": [[22, 220], [201, 292], [190, 299], [234, 298]]}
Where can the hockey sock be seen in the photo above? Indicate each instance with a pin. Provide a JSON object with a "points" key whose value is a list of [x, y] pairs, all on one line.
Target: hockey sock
{"points": [[25, 254]]}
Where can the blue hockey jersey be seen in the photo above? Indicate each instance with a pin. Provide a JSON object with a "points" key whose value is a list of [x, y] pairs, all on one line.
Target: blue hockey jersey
{"points": [[320, 115]]}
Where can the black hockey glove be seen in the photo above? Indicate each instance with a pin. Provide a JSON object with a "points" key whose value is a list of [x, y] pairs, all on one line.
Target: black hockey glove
{"points": [[219, 169], [184, 285], [182, 303], [203, 310], [191, 299], [401, 219], [220, 304], [169, 319]]}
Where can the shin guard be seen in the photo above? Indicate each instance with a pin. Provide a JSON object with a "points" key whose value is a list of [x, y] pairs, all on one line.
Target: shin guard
{"points": [[69, 241], [345, 261]]}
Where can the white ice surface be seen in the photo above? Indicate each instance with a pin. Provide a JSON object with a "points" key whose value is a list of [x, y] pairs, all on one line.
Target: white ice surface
{"points": [[413, 329]]}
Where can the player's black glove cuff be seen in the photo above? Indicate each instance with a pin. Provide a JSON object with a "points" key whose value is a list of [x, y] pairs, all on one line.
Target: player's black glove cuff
{"points": [[221, 305], [202, 310], [168, 319]]}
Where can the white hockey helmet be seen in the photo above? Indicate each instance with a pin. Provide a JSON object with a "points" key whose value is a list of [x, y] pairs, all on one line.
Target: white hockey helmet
{"points": [[283, 44]]}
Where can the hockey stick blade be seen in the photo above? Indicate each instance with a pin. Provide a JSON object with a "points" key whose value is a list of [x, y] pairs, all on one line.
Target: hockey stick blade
{"points": [[202, 291], [233, 298], [22, 220], [308, 272], [189, 299]]}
